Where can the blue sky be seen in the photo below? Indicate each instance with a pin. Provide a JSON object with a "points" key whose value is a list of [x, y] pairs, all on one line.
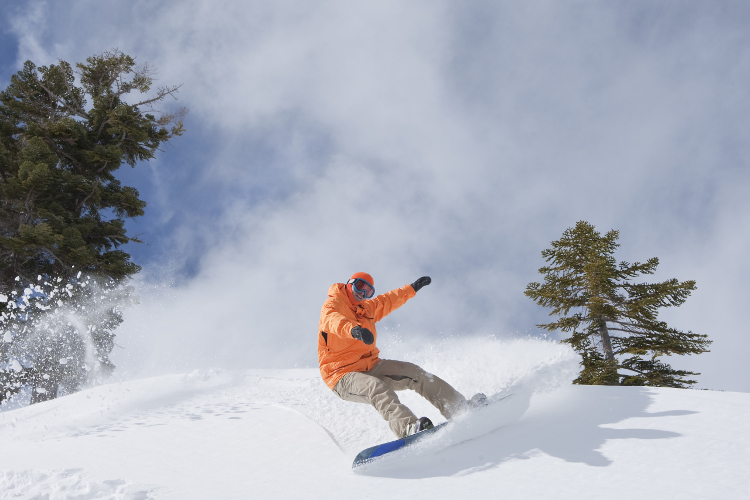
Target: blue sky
{"points": [[443, 138]]}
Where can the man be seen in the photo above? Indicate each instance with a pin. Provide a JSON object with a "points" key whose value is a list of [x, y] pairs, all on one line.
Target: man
{"points": [[349, 362]]}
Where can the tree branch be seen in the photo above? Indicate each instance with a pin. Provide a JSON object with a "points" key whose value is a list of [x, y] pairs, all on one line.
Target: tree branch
{"points": [[163, 92], [80, 205], [56, 258], [64, 104]]}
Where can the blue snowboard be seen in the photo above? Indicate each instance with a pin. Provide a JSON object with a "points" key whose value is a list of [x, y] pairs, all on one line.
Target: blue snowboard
{"points": [[373, 452], [370, 454]]}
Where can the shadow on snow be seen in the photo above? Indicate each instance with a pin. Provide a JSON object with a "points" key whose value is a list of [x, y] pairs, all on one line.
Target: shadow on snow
{"points": [[569, 425]]}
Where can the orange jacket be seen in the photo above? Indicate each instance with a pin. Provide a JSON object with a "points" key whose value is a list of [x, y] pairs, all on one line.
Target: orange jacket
{"points": [[338, 352]]}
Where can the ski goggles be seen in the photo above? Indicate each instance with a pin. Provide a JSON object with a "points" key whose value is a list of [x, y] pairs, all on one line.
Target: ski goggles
{"points": [[361, 286]]}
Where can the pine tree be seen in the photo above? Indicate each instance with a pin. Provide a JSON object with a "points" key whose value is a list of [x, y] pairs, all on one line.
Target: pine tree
{"points": [[612, 320], [63, 135], [60, 147]]}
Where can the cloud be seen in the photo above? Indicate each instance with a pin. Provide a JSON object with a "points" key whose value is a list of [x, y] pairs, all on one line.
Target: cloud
{"points": [[417, 138]]}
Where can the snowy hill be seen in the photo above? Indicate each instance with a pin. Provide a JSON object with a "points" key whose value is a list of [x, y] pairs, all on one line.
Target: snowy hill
{"points": [[282, 434]]}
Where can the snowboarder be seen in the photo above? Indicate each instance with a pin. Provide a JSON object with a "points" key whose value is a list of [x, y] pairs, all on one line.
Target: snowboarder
{"points": [[349, 362]]}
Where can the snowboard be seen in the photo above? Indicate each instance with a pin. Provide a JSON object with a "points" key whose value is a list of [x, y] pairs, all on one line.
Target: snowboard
{"points": [[377, 452]]}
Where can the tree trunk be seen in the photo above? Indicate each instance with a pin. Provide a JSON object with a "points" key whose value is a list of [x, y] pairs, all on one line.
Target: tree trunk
{"points": [[606, 342], [610, 370]]}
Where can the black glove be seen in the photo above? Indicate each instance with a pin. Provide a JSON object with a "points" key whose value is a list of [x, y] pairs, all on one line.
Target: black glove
{"points": [[423, 281], [363, 334]]}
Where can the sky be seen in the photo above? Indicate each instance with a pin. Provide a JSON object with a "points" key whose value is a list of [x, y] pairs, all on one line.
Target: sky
{"points": [[403, 139]]}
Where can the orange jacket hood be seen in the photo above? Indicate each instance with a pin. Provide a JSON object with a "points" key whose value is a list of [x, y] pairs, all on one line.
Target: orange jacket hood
{"points": [[338, 352]]}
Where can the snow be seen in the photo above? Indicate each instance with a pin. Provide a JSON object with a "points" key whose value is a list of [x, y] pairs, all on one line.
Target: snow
{"points": [[282, 434]]}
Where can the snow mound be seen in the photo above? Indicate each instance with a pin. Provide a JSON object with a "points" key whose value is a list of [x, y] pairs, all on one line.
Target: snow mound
{"points": [[94, 409], [284, 434], [67, 484]]}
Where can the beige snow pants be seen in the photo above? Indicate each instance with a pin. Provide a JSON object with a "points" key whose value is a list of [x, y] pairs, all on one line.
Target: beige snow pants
{"points": [[377, 387]]}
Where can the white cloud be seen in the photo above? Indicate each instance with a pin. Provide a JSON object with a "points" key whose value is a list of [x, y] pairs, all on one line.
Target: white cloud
{"points": [[433, 138]]}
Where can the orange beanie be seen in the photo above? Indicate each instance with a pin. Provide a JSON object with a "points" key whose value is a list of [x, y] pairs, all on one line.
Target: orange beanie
{"points": [[363, 276]]}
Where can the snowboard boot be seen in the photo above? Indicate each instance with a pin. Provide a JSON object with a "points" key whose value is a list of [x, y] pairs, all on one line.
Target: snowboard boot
{"points": [[477, 401], [422, 424]]}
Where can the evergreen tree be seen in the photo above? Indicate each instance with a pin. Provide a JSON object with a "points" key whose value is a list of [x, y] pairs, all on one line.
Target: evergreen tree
{"points": [[63, 135], [613, 320], [60, 147]]}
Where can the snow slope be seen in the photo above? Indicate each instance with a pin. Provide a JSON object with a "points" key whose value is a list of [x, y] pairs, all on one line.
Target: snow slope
{"points": [[283, 434]]}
